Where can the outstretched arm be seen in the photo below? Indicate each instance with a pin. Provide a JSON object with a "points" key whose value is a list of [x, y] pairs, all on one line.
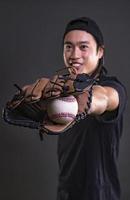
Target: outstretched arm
{"points": [[103, 99]]}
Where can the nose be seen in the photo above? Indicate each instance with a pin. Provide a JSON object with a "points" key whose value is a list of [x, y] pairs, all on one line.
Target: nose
{"points": [[76, 53]]}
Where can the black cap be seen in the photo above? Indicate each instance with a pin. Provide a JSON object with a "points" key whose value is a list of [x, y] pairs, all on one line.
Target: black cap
{"points": [[88, 25]]}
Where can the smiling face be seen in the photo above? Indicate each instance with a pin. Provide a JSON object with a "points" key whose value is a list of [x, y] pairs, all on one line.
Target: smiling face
{"points": [[81, 52]]}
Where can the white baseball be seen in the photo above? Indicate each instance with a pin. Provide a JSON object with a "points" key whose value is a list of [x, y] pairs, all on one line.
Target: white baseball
{"points": [[63, 109]]}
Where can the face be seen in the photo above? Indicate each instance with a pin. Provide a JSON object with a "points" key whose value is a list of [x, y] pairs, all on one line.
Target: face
{"points": [[80, 51]]}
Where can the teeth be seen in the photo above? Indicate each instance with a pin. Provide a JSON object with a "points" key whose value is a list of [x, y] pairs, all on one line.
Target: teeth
{"points": [[75, 64]]}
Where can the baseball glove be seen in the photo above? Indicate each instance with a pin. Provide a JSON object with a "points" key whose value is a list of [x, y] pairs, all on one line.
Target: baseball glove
{"points": [[28, 107]]}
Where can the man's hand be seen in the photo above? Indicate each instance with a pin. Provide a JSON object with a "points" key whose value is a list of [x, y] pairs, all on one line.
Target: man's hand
{"points": [[59, 85]]}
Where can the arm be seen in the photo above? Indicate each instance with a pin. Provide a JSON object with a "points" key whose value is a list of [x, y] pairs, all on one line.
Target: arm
{"points": [[103, 99]]}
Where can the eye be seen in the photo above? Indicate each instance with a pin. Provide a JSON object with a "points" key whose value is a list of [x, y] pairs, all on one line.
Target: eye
{"points": [[67, 47], [84, 47]]}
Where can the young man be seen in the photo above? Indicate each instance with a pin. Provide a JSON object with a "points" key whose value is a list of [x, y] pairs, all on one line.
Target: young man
{"points": [[88, 151]]}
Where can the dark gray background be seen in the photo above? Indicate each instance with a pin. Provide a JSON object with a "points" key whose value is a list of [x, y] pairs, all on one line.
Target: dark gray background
{"points": [[30, 47]]}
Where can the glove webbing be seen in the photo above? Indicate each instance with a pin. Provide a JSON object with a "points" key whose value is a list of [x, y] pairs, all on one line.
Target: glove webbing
{"points": [[83, 115], [63, 87]]}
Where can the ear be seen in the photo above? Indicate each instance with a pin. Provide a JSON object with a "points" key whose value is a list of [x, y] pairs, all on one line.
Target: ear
{"points": [[100, 51]]}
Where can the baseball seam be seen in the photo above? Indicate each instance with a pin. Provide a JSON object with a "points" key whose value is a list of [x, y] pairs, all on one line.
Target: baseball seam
{"points": [[68, 99], [64, 114]]}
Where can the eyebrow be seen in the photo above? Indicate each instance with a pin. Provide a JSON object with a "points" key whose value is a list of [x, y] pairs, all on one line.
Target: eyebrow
{"points": [[80, 42]]}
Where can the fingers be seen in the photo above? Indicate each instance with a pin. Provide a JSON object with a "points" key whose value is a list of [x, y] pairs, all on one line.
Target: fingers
{"points": [[34, 91], [59, 85], [52, 90], [72, 70], [54, 87], [38, 88], [51, 94]]}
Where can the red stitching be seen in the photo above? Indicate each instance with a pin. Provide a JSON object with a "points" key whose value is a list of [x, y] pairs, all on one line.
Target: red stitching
{"points": [[68, 99], [60, 115]]}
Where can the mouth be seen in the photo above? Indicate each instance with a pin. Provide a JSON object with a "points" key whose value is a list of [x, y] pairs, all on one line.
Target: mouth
{"points": [[78, 66]]}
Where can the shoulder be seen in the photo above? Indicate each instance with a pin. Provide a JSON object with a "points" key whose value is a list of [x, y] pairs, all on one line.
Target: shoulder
{"points": [[108, 78], [114, 83]]}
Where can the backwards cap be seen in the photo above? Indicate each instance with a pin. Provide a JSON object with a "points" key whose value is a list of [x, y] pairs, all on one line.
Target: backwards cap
{"points": [[88, 25]]}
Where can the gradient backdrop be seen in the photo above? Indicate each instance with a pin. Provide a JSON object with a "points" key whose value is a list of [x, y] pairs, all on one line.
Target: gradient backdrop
{"points": [[30, 47]]}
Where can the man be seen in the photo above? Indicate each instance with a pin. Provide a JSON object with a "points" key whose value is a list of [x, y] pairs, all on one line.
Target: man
{"points": [[88, 150]]}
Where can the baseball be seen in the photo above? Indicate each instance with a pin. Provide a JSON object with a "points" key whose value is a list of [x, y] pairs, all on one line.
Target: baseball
{"points": [[62, 110]]}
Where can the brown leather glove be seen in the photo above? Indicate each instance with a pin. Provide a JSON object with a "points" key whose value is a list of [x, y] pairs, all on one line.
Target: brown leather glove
{"points": [[34, 91], [59, 86], [28, 107]]}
